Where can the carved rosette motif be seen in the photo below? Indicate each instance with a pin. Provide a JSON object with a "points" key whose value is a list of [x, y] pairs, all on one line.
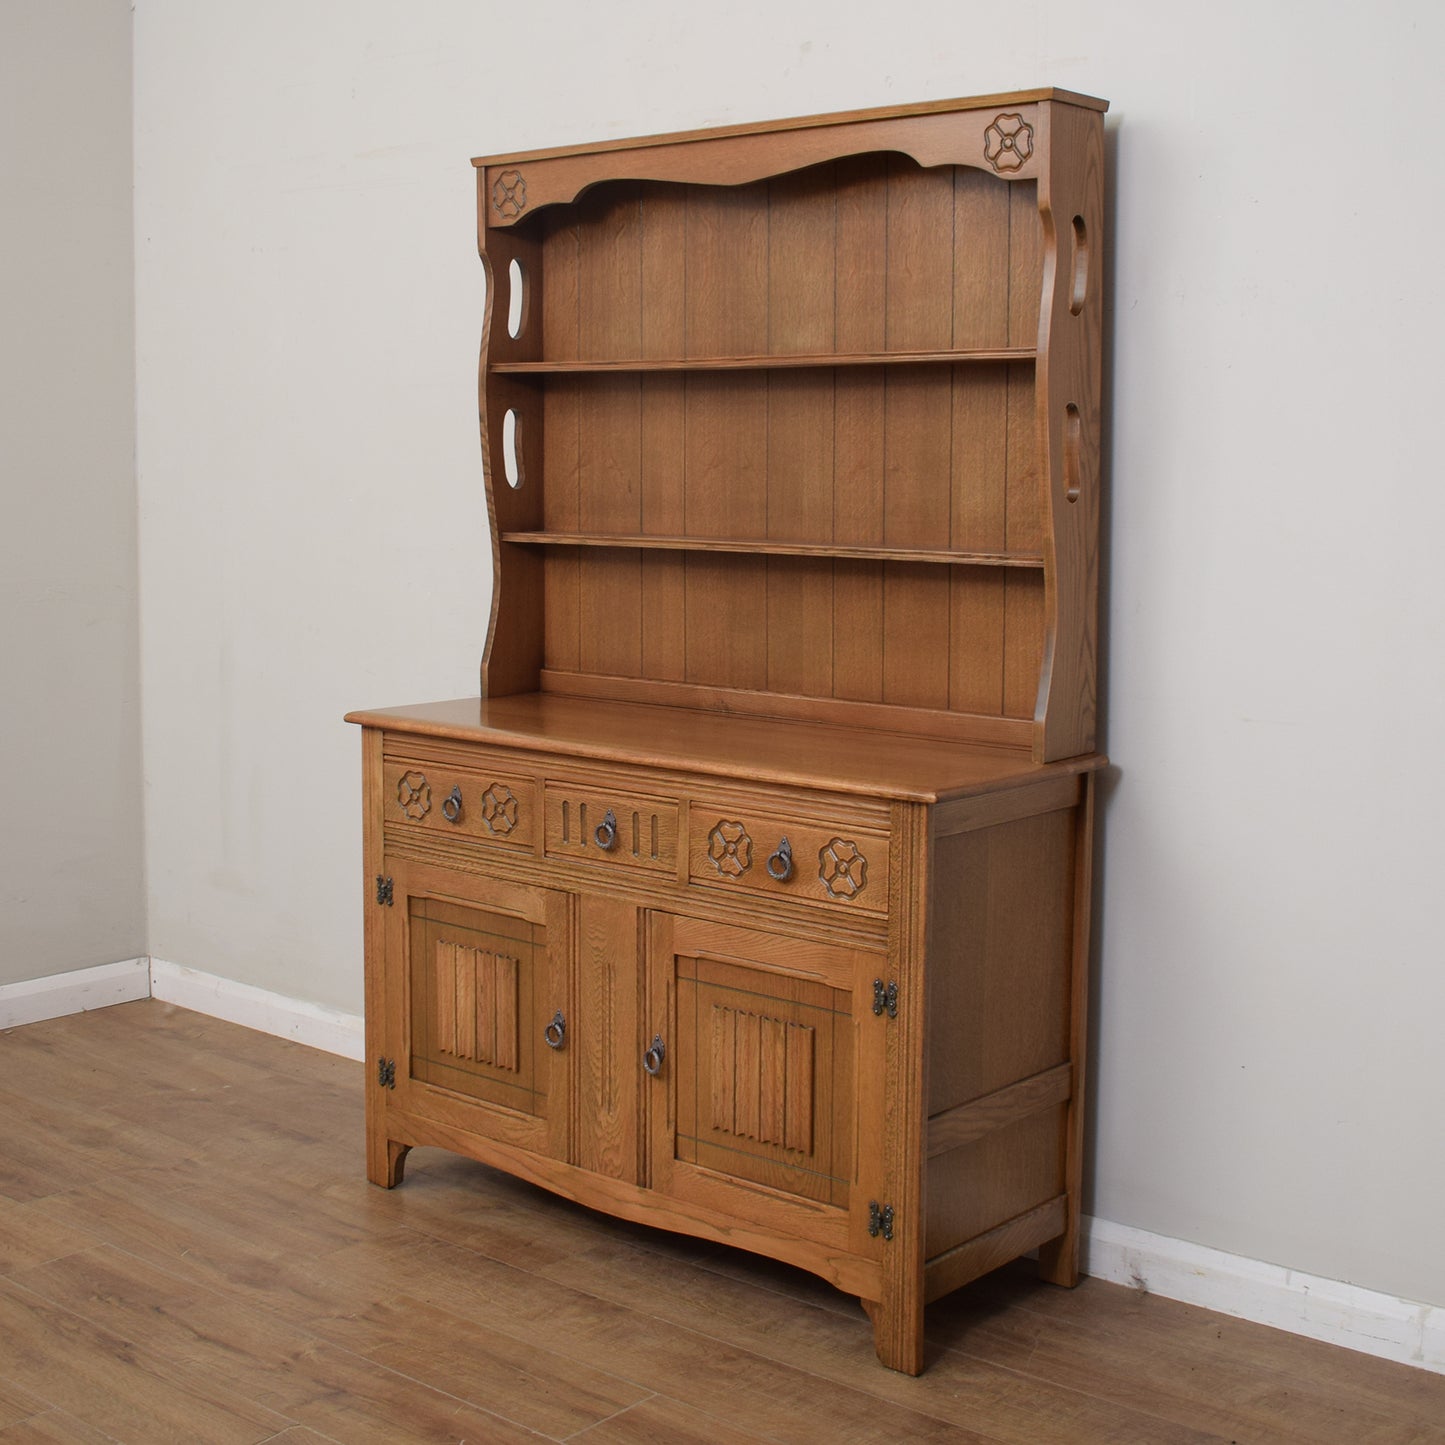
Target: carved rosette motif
{"points": [[413, 792], [842, 868], [730, 849], [499, 809], [1008, 142], [509, 194]]}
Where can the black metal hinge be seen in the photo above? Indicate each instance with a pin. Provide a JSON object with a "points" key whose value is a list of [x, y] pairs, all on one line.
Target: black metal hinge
{"points": [[880, 1221], [386, 1073], [885, 998], [383, 890]]}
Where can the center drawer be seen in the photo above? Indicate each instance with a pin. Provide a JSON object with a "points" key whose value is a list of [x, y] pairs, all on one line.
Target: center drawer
{"points": [[633, 830]]}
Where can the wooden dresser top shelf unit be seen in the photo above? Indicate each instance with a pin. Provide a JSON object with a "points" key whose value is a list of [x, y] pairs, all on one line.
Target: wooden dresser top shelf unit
{"points": [[751, 898], [804, 411]]}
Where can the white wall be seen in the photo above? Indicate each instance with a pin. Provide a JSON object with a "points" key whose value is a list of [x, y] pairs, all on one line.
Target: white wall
{"points": [[71, 874], [1270, 964]]}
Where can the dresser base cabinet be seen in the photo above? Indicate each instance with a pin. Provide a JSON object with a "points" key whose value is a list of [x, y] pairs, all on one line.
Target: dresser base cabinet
{"points": [[869, 1067]]}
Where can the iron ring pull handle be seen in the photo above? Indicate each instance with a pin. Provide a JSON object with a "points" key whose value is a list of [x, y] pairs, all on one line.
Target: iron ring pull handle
{"points": [[606, 833], [555, 1034], [452, 807], [780, 864], [652, 1059]]}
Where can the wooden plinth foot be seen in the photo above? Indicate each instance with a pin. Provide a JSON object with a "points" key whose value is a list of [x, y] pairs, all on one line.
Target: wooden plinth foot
{"points": [[897, 1336], [1059, 1258], [386, 1162]]}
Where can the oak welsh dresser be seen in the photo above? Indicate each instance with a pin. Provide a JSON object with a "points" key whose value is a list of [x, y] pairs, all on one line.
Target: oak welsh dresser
{"points": [[751, 897]]}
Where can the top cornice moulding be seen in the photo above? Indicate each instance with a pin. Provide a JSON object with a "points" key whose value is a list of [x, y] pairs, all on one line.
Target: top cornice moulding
{"points": [[804, 122]]}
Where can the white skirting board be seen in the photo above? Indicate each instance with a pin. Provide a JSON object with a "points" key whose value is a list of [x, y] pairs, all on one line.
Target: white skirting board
{"points": [[36, 999], [1322, 1309], [258, 1008], [313, 1024], [1267, 1294]]}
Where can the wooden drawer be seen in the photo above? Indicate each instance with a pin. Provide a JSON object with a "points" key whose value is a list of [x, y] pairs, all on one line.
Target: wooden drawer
{"points": [[835, 862], [611, 825], [496, 807]]}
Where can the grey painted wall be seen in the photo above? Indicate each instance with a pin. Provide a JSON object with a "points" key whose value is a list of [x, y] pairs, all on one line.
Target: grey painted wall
{"points": [[72, 884]]}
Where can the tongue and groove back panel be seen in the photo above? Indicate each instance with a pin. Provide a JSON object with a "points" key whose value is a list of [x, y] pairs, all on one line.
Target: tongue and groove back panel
{"points": [[852, 528]]}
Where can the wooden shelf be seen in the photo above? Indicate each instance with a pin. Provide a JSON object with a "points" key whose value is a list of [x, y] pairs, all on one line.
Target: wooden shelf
{"points": [[776, 548], [786, 361]]}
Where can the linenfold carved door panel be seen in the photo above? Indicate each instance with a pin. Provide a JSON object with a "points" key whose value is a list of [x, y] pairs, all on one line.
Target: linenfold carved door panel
{"points": [[769, 1076], [479, 971]]}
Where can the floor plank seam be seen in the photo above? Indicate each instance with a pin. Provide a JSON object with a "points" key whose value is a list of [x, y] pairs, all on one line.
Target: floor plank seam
{"points": [[626, 1409]]}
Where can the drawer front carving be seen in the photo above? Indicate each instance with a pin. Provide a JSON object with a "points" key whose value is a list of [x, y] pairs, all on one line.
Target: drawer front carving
{"points": [[606, 826], [495, 807], [789, 857]]}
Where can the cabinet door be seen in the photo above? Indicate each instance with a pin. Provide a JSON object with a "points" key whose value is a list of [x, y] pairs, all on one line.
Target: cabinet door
{"points": [[476, 971], [767, 1103]]}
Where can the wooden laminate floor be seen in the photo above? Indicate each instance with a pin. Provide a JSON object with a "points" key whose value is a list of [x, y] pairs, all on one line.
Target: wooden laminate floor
{"points": [[189, 1251]]}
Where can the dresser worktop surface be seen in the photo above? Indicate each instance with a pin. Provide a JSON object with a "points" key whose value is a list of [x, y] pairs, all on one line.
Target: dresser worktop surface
{"points": [[788, 753]]}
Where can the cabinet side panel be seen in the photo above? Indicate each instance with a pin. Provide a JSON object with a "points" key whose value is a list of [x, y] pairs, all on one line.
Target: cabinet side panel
{"points": [[999, 958], [984, 1184]]}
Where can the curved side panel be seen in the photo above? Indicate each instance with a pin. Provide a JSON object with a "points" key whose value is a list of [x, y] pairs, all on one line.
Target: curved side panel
{"points": [[1071, 203], [1005, 141], [512, 658]]}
